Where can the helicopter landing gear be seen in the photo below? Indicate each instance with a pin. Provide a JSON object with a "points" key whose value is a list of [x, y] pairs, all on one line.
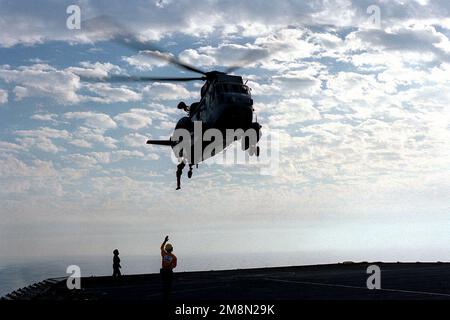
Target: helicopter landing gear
{"points": [[190, 172]]}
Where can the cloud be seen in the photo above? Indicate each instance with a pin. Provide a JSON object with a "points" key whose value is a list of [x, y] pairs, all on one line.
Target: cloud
{"points": [[42, 80], [154, 21], [8, 147], [81, 160], [42, 139], [80, 143], [44, 116], [135, 140], [3, 96], [298, 83], [64, 86], [86, 137], [224, 54], [37, 177], [119, 155], [281, 44], [144, 61], [94, 70], [83, 137], [97, 159], [45, 132], [92, 119], [134, 119], [167, 91], [424, 40], [292, 111], [193, 57], [41, 143], [105, 93]]}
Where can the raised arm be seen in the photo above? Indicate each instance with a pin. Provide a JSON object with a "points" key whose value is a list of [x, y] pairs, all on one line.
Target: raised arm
{"points": [[164, 243]]}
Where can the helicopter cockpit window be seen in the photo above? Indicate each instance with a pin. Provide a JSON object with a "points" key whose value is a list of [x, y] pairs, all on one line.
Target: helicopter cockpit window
{"points": [[232, 88]]}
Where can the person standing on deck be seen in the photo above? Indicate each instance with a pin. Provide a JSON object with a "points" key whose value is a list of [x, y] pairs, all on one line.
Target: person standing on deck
{"points": [[169, 262], [116, 264]]}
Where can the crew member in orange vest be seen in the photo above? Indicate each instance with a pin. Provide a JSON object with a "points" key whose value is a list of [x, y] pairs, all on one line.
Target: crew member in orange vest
{"points": [[169, 262]]}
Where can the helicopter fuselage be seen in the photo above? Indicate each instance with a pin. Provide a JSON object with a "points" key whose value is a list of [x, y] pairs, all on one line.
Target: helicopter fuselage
{"points": [[226, 103]]}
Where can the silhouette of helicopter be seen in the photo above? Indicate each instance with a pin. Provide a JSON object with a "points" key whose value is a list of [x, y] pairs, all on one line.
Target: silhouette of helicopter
{"points": [[225, 103]]}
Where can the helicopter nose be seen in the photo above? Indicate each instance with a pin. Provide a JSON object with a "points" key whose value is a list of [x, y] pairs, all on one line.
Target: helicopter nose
{"points": [[242, 115]]}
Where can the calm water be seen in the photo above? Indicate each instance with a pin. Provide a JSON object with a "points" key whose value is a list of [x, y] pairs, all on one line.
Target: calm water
{"points": [[17, 273]]}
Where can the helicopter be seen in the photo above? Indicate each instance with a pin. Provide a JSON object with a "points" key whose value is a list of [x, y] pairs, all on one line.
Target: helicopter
{"points": [[225, 103]]}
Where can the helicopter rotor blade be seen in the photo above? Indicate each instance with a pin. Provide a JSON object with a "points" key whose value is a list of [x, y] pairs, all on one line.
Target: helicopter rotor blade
{"points": [[248, 58], [125, 37], [159, 54], [118, 78]]}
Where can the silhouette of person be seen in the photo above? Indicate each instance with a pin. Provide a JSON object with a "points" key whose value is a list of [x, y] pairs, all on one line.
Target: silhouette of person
{"points": [[169, 262], [116, 264], [180, 168]]}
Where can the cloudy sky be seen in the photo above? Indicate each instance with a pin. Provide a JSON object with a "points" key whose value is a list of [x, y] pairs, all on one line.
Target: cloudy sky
{"points": [[360, 108]]}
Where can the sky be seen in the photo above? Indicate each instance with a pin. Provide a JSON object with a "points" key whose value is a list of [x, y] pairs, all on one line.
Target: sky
{"points": [[355, 92]]}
